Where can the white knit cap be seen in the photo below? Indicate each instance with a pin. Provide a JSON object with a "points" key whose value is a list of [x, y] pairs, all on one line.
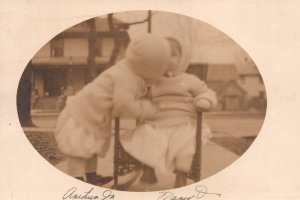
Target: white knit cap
{"points": [[149, 55]]}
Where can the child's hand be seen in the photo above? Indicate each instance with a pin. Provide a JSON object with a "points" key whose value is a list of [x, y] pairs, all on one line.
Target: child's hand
{"points": [[203, 104]]}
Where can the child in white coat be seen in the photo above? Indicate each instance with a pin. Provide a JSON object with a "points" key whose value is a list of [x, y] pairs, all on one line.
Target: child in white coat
{"points": [[167, 141], [84, 127]]}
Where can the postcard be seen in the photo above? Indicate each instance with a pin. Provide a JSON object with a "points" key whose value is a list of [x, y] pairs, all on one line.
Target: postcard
{"points": [[169, 100]]}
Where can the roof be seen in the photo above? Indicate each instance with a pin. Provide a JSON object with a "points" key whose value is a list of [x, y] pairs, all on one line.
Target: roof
{"points": [[248, 68], [226, 88], [222, 72], [217, 86]]}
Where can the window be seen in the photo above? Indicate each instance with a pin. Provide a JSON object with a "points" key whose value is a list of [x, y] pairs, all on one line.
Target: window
{"points": [[57, 48], [98, 48], [107, 46]]}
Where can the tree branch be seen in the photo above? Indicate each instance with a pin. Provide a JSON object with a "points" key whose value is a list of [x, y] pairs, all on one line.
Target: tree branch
{"points": [[113, 28], [117, 43]]}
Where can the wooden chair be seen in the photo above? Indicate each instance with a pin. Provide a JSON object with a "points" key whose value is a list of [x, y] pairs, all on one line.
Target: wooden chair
{"points": [[125, 163]]}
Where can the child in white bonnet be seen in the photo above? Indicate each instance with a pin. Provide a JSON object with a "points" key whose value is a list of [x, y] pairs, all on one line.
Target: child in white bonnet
{"points": [[167, 141], [84, 127]]}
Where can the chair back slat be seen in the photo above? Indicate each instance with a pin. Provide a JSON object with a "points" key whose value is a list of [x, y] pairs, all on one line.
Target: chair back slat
{"points": [[116, 151], [195, 174]]}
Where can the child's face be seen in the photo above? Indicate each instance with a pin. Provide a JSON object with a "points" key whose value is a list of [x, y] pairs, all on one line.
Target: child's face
{"points": [[175, 55], [174, 62]]}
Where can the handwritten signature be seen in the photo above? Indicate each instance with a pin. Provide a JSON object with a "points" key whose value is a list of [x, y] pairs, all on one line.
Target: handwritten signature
{"points": [[200, 192], [73, 194]]}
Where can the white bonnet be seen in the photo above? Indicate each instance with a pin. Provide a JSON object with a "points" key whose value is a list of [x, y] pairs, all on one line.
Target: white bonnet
{"points": [[149, 55]]}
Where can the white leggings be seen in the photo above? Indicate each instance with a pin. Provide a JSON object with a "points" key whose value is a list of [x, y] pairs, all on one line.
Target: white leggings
{"points": [[164, 148]]}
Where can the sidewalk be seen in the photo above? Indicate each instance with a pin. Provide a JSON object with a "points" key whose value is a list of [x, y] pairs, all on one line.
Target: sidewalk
{"points": [[215, 158], [233, 124], [39, 129]]}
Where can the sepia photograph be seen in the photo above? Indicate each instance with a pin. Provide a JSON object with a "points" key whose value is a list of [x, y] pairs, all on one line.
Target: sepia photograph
{"points": [[141, 101]]}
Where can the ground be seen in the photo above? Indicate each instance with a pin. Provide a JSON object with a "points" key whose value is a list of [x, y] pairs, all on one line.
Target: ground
{"points": [[233, 132], [235, 145], [232, 136], [45, 144]]}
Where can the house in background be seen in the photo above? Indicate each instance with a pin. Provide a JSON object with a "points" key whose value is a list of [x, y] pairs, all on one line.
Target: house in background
{"points": [[237, 88], [223, 79], [251, 81], [62, 66]]}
